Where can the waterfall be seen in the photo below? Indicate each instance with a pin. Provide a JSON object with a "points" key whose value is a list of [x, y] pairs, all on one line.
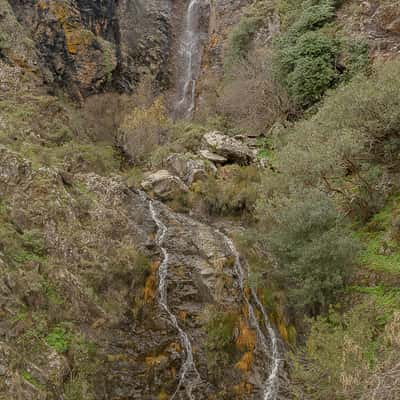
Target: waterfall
{"points": [[271, 385], [190, 60], [188, 376]]}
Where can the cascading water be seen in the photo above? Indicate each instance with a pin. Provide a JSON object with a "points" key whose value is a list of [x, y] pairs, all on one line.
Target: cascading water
{"points": [[189, 375], [271, 387], [190, 60]]}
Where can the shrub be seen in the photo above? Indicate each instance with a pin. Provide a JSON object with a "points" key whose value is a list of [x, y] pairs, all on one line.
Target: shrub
{"points": [[307, 56], [307, 66], [220, 343], [240, 39], [313, 249], [143, 129], [235, 194], [346, 145], [344, 352], [253, 99]]}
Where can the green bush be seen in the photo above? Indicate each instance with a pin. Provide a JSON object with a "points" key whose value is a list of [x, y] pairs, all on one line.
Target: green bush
{"points": [[312, 247], [345, 147], [315, 14], [307, 56]]}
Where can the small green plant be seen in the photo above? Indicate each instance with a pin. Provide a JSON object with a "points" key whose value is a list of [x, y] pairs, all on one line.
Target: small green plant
{"points": [[58, 339]]}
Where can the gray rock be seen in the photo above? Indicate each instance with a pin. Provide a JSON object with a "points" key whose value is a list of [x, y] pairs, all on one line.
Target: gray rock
{"points": [[164, 185], [215, 158], [189, 167], [232, 149]]}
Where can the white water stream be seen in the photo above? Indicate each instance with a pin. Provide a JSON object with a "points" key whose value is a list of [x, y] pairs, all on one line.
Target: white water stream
{"points": [[271, 386], [188, 376], [190, 60]]}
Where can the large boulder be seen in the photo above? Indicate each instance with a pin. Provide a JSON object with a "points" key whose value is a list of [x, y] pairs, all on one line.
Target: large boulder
{"points": [[189, 167], [228, 147], [163, 185]]}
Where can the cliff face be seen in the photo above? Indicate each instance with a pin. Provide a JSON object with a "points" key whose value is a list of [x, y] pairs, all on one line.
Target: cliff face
{"points": [[86, 46]]}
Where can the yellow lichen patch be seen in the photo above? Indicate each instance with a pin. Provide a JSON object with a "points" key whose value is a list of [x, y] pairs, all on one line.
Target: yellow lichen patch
{"points": [[247, 338], [245, 363], [213, 41], [243, 388], [150, 288], [77, 38], [247, 292], [175, 346], [156, 360], [219, 263], [183, 315], [283, 331], [163, 395]]}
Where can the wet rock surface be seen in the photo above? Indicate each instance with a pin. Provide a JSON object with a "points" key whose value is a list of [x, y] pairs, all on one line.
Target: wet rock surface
{"points": [[91, 292]]}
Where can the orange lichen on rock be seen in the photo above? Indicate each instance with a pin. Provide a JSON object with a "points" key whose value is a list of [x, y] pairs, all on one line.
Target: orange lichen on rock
{"points": [[183, 315], [282, 328], [245, 363], [247, 338], [213, 41], [155, 360], [243, 388], [76, 38], [151, 283]]}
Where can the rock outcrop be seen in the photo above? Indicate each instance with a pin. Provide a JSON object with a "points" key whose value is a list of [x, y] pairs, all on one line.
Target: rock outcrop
{"points": [[189, 168], [86, 46], [163, 185], [228, 147]]}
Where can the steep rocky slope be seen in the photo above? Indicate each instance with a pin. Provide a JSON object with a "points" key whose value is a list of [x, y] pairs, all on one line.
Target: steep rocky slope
{"points": [[80, 248]]}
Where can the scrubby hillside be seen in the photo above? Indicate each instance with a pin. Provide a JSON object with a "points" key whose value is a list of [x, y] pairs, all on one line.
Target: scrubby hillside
{"points": [[291, 151]]}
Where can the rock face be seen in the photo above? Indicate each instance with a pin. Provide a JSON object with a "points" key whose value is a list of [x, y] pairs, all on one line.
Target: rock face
{"points": [[77, 301], [189, 168], [88, 45], [376, 22], [228, 147], [164, 185]]}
